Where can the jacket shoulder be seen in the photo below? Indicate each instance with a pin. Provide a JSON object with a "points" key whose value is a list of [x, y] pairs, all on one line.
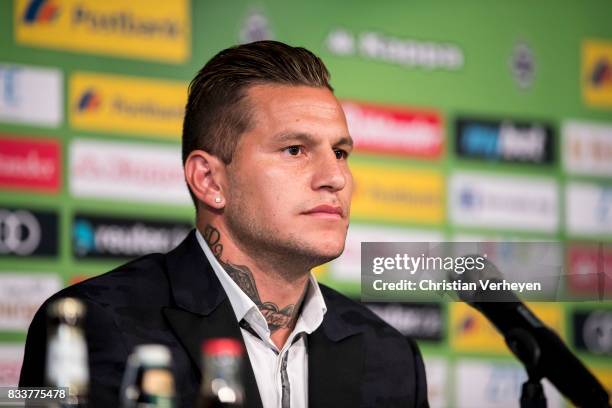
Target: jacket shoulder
{"points": [[142, 279], [355, 313]]}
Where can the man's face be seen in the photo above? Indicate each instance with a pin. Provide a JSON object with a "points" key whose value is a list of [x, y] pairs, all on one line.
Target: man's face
{"points": [[289, 185]]}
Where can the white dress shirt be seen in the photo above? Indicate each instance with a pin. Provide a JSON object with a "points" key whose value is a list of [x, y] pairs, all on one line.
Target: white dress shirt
{"points": [[281, 375]]}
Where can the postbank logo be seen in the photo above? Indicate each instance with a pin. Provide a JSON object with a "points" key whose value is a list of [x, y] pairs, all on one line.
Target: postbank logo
{"points": [[127, 104], [41, 12], [89, 101], [470, 331], [397, 194], [146, 29], [597, 73]]}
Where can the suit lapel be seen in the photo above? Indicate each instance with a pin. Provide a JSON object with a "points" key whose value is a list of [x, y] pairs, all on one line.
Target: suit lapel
{"points": [[202, 310], [192, 329], [334, 371], [335, 361]]}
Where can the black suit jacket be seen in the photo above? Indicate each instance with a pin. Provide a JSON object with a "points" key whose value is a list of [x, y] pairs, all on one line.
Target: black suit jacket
{"points": [[354, 358]]}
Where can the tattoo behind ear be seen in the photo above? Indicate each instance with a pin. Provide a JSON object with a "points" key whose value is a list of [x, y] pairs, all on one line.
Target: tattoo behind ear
{"points": [[212, 238]]}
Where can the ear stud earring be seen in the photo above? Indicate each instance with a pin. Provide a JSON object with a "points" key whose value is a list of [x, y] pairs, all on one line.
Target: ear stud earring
{"points": [[217, 200]]}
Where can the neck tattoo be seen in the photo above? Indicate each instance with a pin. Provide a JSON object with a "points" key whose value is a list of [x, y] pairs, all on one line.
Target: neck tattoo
{"points": [[276, 317]]}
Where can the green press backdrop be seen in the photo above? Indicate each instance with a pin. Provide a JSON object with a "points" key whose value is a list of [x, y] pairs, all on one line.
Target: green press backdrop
{"points": [[473, 120]]}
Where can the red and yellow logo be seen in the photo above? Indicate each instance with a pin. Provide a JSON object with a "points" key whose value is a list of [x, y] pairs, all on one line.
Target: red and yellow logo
{"points": [[597, 73], [470, 331], [124, 104], [40, 12], [147, 29]]}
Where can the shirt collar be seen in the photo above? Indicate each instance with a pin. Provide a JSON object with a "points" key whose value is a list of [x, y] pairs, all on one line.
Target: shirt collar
{"points": [[241, 303], [313, 308]]}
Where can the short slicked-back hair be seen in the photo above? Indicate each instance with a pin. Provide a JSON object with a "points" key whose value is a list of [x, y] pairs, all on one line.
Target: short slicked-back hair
{"points": [[217, 113]]}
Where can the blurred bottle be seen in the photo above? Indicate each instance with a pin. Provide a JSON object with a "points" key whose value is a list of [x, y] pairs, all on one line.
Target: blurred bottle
{"points": [[67, 363], [222, 360], [148, 381]]}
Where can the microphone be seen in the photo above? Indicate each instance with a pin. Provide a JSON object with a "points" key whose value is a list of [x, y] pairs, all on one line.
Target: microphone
{"points": [[538, 347]]}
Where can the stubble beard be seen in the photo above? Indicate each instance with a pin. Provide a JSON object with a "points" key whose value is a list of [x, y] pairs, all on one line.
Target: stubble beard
{"points": [[266, 245]]}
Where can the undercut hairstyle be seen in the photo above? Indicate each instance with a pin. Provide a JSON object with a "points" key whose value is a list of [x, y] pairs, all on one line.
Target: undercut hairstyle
{"points": [[218, 112]]}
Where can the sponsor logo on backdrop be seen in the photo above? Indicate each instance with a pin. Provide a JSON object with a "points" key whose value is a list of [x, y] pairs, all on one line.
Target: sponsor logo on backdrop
{"points": [[131, 171], [21, 294], [589, 268], [395, 130], [593, 331], [587, 148], [420, 321], [348, 266], [522, 259], [26, 232], [406, 52], [107, 237], [589, 209], [522, 64], [255, 27], [470, 331], [127, 104], [514, 202], [482, 383], [597, 73], [31, 95], [145, 29], [437, 375], [397, 194], [89, 101], [504, 140], [41, 11], [11, 358], [30, 164]]}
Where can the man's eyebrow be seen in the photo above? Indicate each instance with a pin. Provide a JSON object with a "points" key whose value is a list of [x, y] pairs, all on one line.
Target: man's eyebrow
{"points": [[293, 136], [308, 138], [346, 140]]}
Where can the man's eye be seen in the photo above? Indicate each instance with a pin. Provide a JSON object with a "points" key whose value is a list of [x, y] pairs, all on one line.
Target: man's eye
{"points": [[341, 154], [294, 150]]}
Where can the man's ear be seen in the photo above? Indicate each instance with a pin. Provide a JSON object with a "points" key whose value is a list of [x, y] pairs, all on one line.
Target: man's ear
{"points": [[205, 174]]}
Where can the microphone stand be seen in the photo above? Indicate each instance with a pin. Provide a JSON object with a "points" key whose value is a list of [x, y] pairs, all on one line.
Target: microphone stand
{"points": [[526, 348], [540, 349]]}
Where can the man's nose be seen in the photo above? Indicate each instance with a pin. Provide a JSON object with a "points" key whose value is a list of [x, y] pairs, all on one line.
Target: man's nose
{"points": [[329, 172]]}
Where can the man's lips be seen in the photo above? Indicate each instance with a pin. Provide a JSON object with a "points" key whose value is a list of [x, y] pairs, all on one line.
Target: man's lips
{"points": [[326, 211]]}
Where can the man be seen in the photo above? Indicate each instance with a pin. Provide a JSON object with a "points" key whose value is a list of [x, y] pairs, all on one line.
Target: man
{"points": [[265, 147]]}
